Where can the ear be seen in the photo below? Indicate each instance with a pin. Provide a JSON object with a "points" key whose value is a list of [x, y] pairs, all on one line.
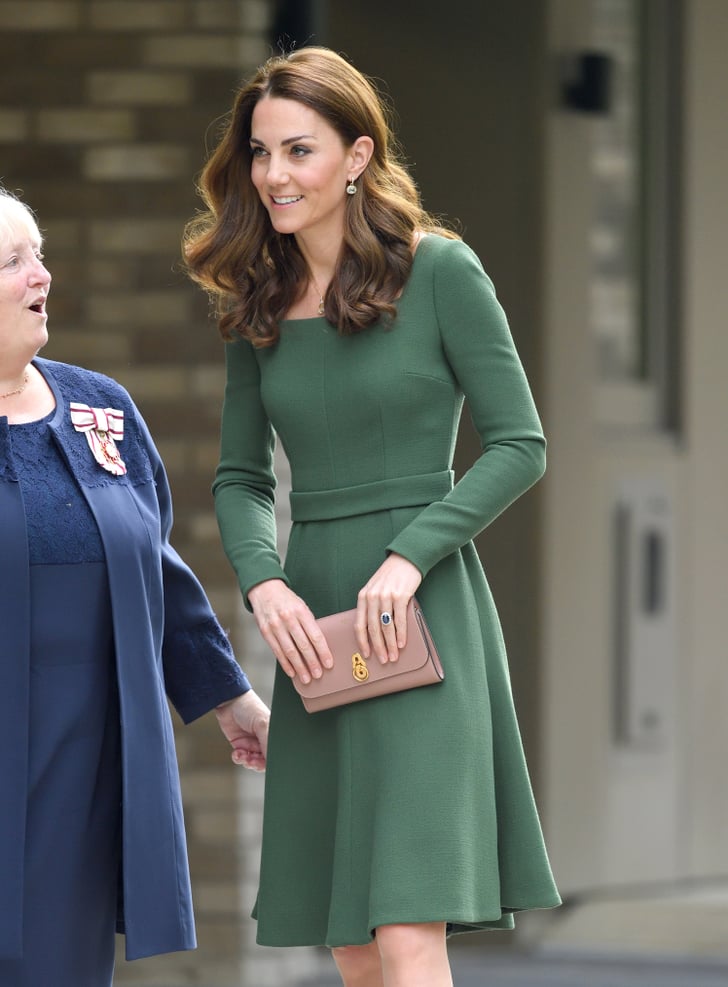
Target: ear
{"points": [[359, 154]]}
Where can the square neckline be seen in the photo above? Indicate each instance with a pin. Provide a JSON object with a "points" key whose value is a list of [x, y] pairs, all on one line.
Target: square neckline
{"points": [[322, 318]]}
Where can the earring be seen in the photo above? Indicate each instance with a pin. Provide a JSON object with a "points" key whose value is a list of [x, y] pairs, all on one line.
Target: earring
{"points": [[351, 187]]}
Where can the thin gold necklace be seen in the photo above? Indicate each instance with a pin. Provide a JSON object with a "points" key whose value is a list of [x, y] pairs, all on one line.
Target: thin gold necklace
{"points": [[18, 390], [321, 306]]}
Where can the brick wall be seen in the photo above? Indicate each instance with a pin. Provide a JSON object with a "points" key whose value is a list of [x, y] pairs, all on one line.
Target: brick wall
{"points": [[105, 111]]}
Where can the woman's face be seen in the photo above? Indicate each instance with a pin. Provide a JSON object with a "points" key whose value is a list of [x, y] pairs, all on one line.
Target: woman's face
{"points": [[24, 284], [300, 167]]}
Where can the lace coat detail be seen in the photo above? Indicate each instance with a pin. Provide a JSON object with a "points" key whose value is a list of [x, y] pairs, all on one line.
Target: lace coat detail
{"points": [[61, 527]]}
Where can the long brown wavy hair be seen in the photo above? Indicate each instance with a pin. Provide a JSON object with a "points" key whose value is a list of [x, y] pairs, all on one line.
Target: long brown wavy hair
{"points": [[254, 274]]}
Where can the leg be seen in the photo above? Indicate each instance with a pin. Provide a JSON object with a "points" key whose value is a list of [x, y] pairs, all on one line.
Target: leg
{"points": [[414, 955], [359, 966]]}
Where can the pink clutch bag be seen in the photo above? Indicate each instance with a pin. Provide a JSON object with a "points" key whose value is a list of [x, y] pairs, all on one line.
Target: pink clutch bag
{"points": [[353, 678]]}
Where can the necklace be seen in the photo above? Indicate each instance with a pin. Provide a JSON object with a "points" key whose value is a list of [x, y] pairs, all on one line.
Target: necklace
{"points": [[321, 306], [18, 390]]}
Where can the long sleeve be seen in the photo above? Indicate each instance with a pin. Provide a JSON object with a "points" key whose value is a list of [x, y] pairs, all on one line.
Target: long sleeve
{"points": [[478, 346], [244, 485]]}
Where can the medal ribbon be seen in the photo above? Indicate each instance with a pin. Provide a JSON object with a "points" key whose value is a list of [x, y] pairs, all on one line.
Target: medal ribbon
{"points": [[104, 427]]}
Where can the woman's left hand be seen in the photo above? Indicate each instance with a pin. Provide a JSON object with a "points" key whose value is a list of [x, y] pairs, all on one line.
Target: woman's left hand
{"points": [[244, 721], [388, 592]]}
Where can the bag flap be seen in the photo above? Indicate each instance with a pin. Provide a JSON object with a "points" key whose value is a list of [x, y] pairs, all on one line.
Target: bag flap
{"points": [[350, 668]]}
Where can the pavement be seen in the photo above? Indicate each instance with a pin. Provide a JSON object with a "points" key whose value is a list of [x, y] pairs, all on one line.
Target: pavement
{"points": [[677, 938], [476, 967]]}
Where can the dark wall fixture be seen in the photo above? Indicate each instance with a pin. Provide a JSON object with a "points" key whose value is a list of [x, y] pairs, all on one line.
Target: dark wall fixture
{"points": [[295, 24], [586, 81]]}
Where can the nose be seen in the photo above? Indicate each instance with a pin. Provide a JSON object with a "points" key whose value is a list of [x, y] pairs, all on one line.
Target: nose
{"points": [[40, 274], [277, 171]]}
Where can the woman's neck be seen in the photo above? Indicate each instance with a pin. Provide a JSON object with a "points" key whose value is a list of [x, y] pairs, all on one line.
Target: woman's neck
{"points": [[31, 398], [321, 255], [13, 379]]}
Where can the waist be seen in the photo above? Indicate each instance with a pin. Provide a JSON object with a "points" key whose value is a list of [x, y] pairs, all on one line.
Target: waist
{"points": [[366, 498]]}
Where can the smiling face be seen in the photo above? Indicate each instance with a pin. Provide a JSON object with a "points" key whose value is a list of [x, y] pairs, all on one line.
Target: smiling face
{"points": [[24, 284], [301, 168]]}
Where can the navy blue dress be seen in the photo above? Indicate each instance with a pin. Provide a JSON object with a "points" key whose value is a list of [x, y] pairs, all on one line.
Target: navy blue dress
{"points": [[73, 824]]}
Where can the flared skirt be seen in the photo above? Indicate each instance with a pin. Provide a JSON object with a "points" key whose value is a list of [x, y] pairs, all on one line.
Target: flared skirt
{"points": [[415, 807]]}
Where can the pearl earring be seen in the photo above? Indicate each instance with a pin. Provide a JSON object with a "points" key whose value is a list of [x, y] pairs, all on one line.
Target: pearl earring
{"points": [[351, 187]]}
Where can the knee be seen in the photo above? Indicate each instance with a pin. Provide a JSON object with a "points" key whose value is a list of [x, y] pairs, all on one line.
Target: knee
{"points": [[358, 965], [409, 945], [401, 942]]}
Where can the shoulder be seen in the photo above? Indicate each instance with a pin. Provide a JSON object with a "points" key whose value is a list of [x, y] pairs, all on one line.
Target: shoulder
{"points": [[453, 265], [75, 384], [449, 254], [86, 386]]}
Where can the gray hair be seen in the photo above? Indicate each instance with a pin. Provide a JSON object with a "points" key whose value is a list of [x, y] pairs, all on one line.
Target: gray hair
{"points": [[14, 212]]}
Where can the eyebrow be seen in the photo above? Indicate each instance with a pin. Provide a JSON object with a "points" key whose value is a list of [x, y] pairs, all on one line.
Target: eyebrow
{"points": [[16, 247], [287, 141]]}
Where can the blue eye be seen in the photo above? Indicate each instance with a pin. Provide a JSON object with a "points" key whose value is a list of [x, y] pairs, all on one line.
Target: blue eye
{"points": [[299, 151], [257, 152]]}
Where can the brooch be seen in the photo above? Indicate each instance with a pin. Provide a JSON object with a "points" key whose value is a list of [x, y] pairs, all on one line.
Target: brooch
{"points": [[104, 427]]}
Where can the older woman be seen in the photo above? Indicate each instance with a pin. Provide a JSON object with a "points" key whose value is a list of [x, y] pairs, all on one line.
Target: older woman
{"points": [[99, 617]]}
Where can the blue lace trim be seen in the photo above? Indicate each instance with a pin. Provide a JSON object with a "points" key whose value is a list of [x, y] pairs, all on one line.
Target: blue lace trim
{"points": [[61, 528], [97, 390]]}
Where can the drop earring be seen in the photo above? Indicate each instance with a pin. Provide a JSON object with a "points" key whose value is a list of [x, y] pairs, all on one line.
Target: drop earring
{"points": [[351, 187]]}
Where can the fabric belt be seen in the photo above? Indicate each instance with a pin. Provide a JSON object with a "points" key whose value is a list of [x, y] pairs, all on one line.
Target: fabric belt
{"points": [[366, 498]]}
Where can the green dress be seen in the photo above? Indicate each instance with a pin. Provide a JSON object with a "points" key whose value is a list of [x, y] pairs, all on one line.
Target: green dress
{"points": [[415, 807]]}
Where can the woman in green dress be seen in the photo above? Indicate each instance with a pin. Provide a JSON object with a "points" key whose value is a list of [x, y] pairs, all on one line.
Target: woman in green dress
{"points": [[355, 328]]}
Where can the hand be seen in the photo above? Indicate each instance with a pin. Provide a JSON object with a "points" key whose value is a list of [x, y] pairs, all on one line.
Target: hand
{"points": [[388, 591], [244, 721], [290, 630]]}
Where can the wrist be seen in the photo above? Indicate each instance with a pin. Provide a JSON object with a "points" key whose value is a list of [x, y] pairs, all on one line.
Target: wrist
{"points": [[255, 592], [229, 702]]}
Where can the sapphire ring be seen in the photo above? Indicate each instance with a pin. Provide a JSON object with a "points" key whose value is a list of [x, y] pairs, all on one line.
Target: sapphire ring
{"points": [[385, 617]]}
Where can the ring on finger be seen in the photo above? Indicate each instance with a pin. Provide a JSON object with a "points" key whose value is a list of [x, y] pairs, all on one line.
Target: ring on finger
{"points": [[385, 617]]}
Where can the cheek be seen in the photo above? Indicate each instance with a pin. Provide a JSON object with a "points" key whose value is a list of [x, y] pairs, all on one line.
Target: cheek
{"points": [[337, 180], [13, 293], [257, 177]]}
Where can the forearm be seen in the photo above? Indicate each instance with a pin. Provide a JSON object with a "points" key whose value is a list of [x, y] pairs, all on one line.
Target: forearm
{"points": [[248, 534], [499, 477], [244, 485]]}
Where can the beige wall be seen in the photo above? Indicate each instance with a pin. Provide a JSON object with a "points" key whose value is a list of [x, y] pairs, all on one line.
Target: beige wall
{"points": [[705, 683], [621, 815], [610, 808]]}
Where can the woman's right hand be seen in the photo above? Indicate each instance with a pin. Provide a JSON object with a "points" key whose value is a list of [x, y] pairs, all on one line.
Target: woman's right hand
{"points": [[290, 630]]}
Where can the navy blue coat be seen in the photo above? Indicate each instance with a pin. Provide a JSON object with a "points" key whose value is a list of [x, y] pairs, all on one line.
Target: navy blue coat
{"points": [[167, 641]]}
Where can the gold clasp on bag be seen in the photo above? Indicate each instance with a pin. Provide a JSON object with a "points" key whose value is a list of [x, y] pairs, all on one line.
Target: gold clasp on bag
{"points": [[358, 668]]}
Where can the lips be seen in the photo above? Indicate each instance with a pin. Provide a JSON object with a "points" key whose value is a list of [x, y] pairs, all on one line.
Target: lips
{"points": [[286, 200], [38, 306]]}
